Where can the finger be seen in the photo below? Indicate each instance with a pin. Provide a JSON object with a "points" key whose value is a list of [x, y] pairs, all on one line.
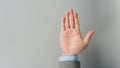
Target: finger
{"points": [[88, 36], [71, 18], [76, 21], [67, 20], [63, 23]]}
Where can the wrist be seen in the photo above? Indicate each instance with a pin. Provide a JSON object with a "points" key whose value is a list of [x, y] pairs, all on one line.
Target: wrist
{"points": [[69, 54]]}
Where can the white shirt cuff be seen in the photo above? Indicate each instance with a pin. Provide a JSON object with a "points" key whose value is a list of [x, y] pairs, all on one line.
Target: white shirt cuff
{"points": [[68, 58]]}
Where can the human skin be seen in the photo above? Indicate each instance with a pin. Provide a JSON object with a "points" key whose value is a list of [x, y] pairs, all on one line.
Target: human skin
{"points": [[71, 41]]}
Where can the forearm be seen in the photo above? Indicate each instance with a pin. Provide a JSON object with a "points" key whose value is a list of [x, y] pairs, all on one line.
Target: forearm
{"points": [[69, 62]]}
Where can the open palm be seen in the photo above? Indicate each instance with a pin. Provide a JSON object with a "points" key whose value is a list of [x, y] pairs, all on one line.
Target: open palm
{"points": [[71, 41]]}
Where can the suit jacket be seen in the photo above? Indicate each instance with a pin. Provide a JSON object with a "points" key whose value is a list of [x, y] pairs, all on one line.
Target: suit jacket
{"points": [[69, 64]]}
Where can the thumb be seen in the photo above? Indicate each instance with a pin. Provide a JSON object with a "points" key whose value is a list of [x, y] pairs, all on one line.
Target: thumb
{"points": [[88, 36]]}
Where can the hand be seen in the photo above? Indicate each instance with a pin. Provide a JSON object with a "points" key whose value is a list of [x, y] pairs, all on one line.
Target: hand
{"points": [[71, 41]]}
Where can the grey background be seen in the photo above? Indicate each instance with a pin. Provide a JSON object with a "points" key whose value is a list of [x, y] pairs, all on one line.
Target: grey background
{"points": [[29, 32]]}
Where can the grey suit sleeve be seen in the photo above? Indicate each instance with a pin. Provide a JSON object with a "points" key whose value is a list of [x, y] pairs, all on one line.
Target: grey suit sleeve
{"points": [[69, 64]]}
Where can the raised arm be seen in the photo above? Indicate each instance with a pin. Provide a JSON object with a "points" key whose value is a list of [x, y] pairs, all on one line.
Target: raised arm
{"points": [[71, 41]]}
